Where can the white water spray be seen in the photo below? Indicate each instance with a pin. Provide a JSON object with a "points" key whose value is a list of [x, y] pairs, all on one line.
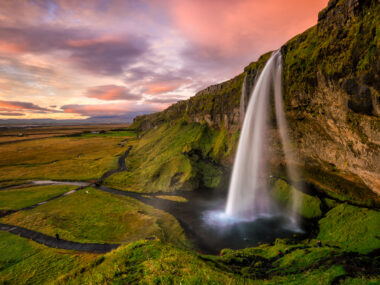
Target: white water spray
{"points": [[248, 195]]}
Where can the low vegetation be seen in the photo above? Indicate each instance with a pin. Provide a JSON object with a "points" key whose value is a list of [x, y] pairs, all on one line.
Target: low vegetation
{"points": [[16, 199], [352, 228], [282, 192], [63, 158], [174, 198], [154, 262], [105, 218], [26, 262]]}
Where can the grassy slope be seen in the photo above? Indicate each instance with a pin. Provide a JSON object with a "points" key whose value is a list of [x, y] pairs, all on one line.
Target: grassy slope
{"points": [[60, 158], [153, 262], [99, 217], [20, 198], [352, 228], [174, 156], [26, 262]]}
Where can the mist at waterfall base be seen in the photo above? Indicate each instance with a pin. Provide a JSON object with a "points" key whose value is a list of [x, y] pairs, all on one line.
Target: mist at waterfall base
{"points": [[250, 213]]}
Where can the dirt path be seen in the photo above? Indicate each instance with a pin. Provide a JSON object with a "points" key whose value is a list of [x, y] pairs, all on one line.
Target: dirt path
{"points": [[55, 243]]}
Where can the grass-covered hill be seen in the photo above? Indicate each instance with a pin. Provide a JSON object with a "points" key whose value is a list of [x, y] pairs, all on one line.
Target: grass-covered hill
{"points": [[331, 94]]}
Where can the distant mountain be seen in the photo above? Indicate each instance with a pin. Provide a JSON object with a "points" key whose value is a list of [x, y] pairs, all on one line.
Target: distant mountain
{"points": [[124, 119]]}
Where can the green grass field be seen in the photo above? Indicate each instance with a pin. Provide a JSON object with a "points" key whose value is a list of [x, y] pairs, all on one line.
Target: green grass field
{"points": [[109, 134], [16, 199], [151, 262], [26, 262], [99, 217], [66, 158]]}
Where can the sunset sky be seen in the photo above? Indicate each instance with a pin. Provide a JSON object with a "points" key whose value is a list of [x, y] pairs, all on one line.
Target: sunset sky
{"points": [[69, 59]]}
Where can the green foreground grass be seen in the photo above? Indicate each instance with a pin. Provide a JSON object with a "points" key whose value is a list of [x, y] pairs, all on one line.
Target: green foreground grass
{"points": [[90, 215], [26, 262], [154, 262], [16, 199], [66, 158]]}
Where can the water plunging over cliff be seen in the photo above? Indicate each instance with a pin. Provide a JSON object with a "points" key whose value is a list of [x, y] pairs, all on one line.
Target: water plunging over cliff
{"points": [[242, 99], [249, 195]]}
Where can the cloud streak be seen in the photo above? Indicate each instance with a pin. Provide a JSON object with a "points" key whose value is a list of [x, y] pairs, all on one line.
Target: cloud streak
{"points": [[110, 93], [24, 106], [110, 109], [104, 55]]}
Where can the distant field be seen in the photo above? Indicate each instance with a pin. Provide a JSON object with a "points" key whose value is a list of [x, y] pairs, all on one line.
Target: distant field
{"points": [[26, 262], [22, 134], [111, 134], [20, 198], [63, 158], [99, 217]]}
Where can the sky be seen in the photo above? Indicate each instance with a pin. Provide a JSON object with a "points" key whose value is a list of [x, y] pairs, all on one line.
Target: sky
{"points": [[69, 59]]}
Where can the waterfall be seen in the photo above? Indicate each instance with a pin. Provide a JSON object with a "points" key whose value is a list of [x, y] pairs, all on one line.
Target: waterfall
{"points": [[248, 195], [242, 99], [283, 130]]}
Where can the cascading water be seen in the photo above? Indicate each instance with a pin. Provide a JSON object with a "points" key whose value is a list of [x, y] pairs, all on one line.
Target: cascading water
{"points": [[242, 100], [248, 195]]}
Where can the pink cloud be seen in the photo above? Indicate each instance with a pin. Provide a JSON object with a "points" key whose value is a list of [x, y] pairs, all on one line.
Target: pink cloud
{"points": [[157, 88], [111, 92], [25, 106], [111, 109], [231, 28]]}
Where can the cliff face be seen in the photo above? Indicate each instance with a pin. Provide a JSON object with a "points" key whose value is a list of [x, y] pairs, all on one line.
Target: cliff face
{"points": [[331, 94]]}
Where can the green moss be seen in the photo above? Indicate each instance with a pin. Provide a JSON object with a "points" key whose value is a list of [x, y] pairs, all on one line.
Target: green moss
{"points": [[343, 188], [336, 53], [352, 228], [361, 281], [151, 263], [321, 276], [310, 207], [330, 203]]}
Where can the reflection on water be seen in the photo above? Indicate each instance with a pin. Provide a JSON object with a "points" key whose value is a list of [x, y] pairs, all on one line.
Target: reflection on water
{"points": [[52, 182]]}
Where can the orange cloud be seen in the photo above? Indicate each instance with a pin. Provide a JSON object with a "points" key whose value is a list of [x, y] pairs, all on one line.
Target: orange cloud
{"points": [[160, 88], [111, 92], [26, 106], [111, 109], [234, 27], [13, 48]]}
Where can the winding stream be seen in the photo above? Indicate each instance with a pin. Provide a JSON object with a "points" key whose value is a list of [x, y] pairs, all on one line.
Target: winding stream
{"points": [[209, 233]]}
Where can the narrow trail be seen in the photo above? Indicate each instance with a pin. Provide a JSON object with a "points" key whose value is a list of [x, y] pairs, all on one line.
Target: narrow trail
{"points": [[58, 243], [122, 166]]}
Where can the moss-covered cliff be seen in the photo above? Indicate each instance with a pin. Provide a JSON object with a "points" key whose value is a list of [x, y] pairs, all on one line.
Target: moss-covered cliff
{"points": [[331, 94]]}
